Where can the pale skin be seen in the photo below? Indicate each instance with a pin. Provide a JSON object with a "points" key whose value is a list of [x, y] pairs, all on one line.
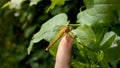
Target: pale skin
{"points": [[63, 57]]}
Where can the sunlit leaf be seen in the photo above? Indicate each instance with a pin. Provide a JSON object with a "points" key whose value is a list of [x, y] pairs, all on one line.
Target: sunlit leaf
{"points": [[77, 64], [30, 47], [53, 50], [99, 11], [85, 35], [88, 3], [100, 31], [100, 56], [108, 39], [47, 31], [112, 53], [6, 5], [55, 2]]}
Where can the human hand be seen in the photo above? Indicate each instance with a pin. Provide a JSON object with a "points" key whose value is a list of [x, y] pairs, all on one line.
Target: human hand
{"points": [[63, 57]]}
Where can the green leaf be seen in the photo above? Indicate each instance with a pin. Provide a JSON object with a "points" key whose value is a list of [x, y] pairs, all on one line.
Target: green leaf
{"points": [[6, 4], [100, 11], [53, 49], [99, 14], [107, 41], [77, 64], [87, 17], [85, 35], [100, 31], [88, 3], [55, 2], [47, 31], [78, 50], [113, 53], [100, 56], [30, 47]]}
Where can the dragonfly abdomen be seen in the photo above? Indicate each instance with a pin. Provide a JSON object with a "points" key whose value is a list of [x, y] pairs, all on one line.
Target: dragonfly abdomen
{"points": [[65, 29]]}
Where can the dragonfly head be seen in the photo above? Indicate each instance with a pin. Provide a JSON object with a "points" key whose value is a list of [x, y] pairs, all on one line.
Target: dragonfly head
{"points": [[68, 28]]}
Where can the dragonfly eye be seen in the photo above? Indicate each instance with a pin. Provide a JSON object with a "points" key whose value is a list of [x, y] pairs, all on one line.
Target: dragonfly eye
{"points": [[68, 29]]}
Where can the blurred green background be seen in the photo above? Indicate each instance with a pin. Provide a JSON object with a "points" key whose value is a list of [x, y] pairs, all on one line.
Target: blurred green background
{"points": [[18, 23]]}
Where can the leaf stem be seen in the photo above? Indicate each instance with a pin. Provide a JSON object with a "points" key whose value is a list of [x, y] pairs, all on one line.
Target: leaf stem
{"points": [[73, 24]]}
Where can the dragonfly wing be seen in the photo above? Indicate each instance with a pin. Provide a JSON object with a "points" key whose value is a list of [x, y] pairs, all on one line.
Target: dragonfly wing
{"points": [[57, 28]]}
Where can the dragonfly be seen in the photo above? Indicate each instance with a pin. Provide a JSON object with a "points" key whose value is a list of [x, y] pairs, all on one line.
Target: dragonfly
{"points": [[64, 30]]}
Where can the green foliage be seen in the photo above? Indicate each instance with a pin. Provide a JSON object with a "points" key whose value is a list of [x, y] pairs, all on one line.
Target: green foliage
{"points": [[84, 35], [55, 2], [96, 36], [108, 39], [92, 40], [100, 11], [5, 5], [100, 56], [48, 31]]}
